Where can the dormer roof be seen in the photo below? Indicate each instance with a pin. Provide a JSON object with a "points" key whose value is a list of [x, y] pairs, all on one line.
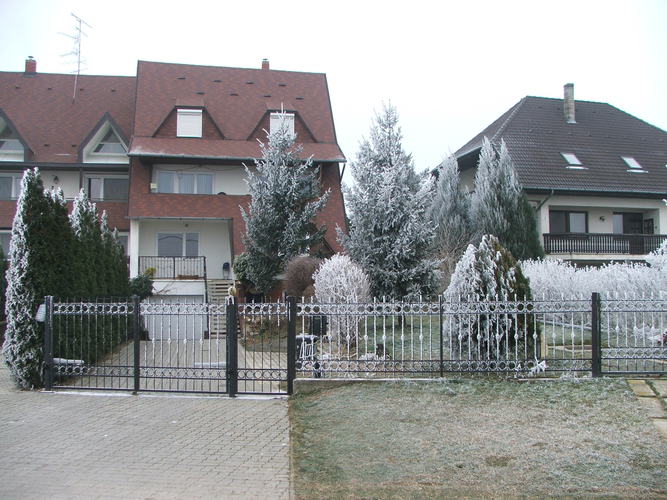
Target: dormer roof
{"points": [[43, 111], [237, 101]]}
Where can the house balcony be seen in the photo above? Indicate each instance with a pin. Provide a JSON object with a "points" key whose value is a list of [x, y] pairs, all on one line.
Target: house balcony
{"points": [[174, 268], [601, 243]]}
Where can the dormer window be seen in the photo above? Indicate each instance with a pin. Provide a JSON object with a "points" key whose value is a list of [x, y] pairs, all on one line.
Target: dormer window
{"points": [[11, 148], [105, 145], [110, 144], [281, 119], [634, 165], [572, 161], [189, 123]]}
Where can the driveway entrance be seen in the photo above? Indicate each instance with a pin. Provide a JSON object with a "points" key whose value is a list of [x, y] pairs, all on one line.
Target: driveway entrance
{"points": [[119, 446]]}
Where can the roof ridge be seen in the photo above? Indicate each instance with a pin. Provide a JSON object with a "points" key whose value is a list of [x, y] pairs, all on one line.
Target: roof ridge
{"points": [[139, 61], [504, 125]]}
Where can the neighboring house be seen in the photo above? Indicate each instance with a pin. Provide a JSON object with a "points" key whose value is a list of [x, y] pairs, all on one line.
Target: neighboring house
{"points": [[164, 154], [595, 174]]}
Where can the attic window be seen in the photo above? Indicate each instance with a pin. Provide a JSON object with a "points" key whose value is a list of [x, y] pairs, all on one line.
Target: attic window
{"points": [[634, 165], [281, 119], [110, 144], [189, 123], [572, 161], [9, 142]]}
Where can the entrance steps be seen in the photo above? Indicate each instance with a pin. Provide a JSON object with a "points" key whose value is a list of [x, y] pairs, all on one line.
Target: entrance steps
{"points": [[218, 292]]}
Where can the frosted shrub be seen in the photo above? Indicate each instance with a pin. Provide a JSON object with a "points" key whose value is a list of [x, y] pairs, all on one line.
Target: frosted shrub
{"points": [[658, 258], [490, 273], [341, 281], [555, 278]]}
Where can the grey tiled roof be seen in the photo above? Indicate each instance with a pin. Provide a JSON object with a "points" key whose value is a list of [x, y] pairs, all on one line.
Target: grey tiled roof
{"points": [[536, 132]]}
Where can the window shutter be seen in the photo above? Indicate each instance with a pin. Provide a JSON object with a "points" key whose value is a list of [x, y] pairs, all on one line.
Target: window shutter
{"points": [[189, 123]]}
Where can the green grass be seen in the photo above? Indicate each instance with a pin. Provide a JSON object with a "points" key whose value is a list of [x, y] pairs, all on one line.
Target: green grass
{"points": [[476, 438]]}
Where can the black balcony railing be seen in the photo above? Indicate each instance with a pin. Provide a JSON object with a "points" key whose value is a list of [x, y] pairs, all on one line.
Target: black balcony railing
{"points": [[177, 268], [602, 243]]}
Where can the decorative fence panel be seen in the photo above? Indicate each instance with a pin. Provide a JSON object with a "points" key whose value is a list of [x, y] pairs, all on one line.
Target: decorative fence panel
{"points": [[162, 346], [634, 335], [433, 338]]}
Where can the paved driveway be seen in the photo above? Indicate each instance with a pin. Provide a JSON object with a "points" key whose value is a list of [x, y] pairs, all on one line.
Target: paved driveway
{"points": [[55, 445]]}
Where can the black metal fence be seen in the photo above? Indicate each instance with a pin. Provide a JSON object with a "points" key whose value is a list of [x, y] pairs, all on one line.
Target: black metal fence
{"points": [[175, 268], [179, 347]]}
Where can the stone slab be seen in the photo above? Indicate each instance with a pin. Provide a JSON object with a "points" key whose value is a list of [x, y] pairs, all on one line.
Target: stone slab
{"points": [[640, 388], [653, 407], [661, 387], [661, 425]]}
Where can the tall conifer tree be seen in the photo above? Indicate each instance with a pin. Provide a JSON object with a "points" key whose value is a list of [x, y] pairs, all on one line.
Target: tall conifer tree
{"points": [[285, 197], [390, 234]]}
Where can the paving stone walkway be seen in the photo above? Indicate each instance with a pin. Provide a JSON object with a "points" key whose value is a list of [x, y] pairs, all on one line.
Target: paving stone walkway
{"points": [[117, 446], [652, 395]]}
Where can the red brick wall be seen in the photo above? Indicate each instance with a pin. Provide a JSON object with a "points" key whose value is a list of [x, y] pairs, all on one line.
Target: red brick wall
{"points": [[116, 211]]}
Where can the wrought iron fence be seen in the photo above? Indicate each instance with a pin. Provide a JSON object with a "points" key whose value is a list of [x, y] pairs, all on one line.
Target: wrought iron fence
{"points": [[176, 268], [164, 346]]}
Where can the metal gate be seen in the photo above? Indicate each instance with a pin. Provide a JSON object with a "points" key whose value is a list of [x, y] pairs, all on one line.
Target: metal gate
{"points": [[164, 346], [632, 335]]}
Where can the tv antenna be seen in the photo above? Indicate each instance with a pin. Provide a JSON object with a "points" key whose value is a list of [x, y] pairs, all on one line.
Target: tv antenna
{"points": [[76, 50]]}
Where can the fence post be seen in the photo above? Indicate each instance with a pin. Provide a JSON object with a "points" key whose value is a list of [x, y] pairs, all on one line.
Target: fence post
{"points": [[596, 351], [232, 348], [136, 327], [442, 358], [291, 343], [48, 343]]}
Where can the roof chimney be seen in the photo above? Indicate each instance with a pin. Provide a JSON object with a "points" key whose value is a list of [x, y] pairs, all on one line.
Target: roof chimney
{"points": [[30, 65], [568, 102], [265, 64]]}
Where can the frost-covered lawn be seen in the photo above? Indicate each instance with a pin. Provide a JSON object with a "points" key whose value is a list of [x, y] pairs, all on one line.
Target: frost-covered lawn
{"points": [[476, 438]]}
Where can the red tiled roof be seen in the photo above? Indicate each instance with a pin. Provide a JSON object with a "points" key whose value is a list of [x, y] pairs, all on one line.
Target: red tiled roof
{"points": [[235, 98], [42, 110], [221, 149]]}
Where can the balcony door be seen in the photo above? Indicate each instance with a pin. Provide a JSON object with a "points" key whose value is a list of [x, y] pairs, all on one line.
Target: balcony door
{"points": [[178, 244], [563, 221], [628, 223]]}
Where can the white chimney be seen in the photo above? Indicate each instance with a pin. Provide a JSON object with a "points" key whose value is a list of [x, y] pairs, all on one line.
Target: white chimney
{"points": [[568, 102]]}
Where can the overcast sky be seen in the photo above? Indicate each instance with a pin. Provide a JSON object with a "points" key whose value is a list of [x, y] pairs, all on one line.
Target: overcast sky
{"points": [[450, 68]]}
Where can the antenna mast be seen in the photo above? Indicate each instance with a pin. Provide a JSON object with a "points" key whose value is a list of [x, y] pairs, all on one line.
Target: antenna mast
{"points": [[76, 50]]}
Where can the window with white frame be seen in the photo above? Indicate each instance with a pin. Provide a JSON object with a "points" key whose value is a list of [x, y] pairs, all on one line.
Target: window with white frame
{"points": [[8, 139], [189, 122], [170, 181], [10, 186], [178, 244], [108, 188], [281, 119], [110, 144]]}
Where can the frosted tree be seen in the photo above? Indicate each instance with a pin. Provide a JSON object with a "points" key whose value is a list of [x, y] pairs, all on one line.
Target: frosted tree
{"points": [[22, 348], [285, 197], [499, 206], [116, 274], [339, 280], [85, 223], [450, 215], [390, 233], [490, 273]]}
